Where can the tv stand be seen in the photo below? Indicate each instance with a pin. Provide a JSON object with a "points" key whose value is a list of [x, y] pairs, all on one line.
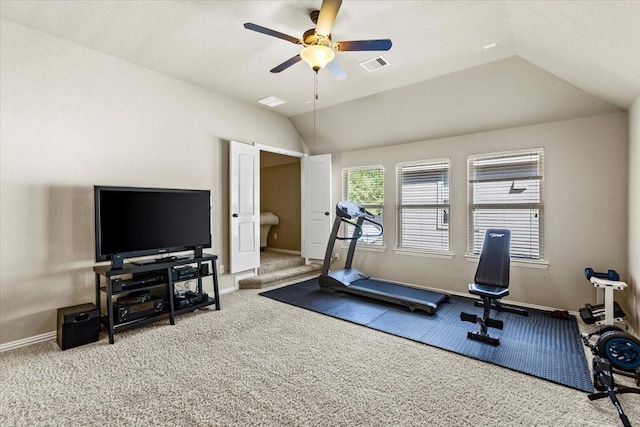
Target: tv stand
{"points": [[157, 279]]}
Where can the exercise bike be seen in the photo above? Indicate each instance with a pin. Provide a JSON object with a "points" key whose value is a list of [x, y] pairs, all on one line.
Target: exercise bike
{"points": [[614, 351], [603, 382]]}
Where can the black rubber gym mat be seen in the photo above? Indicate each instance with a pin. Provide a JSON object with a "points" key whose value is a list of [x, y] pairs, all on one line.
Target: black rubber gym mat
{"points": [[537, 345]]}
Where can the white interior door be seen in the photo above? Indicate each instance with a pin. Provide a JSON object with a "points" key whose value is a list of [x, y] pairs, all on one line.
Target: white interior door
{"points": [[244, 207], [317, 209]]}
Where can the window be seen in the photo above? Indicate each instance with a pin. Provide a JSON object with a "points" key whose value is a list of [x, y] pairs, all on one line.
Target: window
{"points": [[505, 191], [423, 205], [365, 185]]}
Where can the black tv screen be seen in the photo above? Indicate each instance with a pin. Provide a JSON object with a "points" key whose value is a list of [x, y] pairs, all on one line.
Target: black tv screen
{"points": [[132, 222]]}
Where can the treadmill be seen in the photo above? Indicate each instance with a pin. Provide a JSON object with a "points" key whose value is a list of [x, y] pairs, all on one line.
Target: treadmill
{"points": [[354, 281]]}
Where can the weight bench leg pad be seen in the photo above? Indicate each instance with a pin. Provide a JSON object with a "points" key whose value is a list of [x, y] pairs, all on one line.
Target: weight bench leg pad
{"points": [[483, 338]]}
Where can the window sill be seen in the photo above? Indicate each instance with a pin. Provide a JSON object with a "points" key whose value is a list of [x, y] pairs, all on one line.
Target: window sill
{"points": [[369, 248], [541, 265], [425, 254]]}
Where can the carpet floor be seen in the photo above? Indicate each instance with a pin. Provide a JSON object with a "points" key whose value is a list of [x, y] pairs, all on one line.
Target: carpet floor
{"points": [[537, 344], [259, 362]]}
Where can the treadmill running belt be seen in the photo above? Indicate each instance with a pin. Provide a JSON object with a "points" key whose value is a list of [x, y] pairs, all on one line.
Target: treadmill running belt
{"points": [[400, 291]]}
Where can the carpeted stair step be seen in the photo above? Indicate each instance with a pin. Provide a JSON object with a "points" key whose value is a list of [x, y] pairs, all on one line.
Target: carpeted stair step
{"points": [[276, 277], [270, 265]]}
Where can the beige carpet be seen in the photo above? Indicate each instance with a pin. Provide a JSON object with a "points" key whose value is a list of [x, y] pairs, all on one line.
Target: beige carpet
{"points": [[259, 362]]}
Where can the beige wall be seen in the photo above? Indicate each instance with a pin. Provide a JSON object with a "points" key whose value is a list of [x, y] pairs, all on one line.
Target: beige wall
{"points": [[280, 194], [634, 215], [585, 216], [73, 118]]}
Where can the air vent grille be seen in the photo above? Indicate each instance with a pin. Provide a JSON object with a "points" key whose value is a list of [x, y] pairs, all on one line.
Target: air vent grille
{"points": [[374, 64], [271, 101]]}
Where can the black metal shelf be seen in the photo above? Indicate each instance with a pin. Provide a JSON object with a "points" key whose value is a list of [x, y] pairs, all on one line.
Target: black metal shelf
{"points": [[104, 319], [104, 273], [192, 307], [141, 288], [152, 286]]}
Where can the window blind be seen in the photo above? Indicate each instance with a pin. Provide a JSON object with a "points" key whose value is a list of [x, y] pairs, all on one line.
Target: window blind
{"points": [[505, 191], [365, 186], [423, 205]]}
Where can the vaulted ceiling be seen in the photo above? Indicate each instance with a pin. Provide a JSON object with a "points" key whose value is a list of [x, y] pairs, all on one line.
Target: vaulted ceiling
{"points": [[552, 60]]}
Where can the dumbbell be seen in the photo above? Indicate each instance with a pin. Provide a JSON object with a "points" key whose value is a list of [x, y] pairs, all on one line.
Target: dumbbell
{"points": [[609, 275]]}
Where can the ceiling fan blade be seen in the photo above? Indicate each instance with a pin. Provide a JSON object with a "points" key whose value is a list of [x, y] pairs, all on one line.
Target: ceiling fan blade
{"points": [[273, 33], [286, 64], [328, 13], [382, 44], [336, 70]]}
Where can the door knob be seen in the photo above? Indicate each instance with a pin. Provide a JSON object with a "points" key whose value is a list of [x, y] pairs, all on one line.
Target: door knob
{"points": [[326, 213], [235, 215]]}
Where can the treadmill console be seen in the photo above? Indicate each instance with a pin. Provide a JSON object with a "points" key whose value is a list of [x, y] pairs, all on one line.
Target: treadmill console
{"points": [[347, 209]]}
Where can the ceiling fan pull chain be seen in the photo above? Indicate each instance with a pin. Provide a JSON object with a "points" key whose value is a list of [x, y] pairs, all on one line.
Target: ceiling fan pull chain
{"points": [[315, 98]]}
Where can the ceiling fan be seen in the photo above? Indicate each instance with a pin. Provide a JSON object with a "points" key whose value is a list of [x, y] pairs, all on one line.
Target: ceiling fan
{"points": [[319, 50]]}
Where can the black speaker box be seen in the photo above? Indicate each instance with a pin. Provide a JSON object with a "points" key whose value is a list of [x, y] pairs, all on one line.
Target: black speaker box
{"points": [[78, 325]]}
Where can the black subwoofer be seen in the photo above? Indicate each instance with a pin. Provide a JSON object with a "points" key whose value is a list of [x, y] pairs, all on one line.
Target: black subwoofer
{"points": [[78, 325]]}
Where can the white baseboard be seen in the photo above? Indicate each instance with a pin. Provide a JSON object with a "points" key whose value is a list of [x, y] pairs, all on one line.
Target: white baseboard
{"points": [[229, 290], [53, 334], [28, 341], [519, 304], [468, 295]]}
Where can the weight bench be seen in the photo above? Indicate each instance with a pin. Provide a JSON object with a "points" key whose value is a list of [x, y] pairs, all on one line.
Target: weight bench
{"points": [[491, 283]]}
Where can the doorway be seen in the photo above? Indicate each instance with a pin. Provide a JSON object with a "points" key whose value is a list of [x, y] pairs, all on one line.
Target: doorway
{"points": [[313, 184], [280, 195]]}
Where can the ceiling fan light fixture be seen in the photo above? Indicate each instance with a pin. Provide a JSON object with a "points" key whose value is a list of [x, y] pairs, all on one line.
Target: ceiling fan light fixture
{"points": [[317, 56]]}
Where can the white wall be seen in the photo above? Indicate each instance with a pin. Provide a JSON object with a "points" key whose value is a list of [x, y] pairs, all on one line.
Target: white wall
{"points": [[73, 118], [585, 212], [634, 215]]}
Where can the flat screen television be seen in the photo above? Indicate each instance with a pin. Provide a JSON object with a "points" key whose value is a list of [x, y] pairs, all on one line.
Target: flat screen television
{"points": [[134, 222]]}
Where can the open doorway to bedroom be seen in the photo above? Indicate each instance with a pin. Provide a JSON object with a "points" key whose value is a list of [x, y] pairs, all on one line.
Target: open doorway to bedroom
{"points": [[280, 207], [280, 202], [296, 189]]}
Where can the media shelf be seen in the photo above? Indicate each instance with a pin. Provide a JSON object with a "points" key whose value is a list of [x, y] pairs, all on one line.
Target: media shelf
{"points": [[154, 285]]}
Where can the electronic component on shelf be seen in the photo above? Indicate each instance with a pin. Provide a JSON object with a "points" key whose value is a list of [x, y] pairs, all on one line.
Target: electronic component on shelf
{"points": [[127, 311], [184, 272], [185, 298], [135, 297], [119, 284]]}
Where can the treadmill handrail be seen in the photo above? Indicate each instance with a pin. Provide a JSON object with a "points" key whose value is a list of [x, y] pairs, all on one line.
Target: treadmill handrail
{"points": [[376, 224], [358, 231]]}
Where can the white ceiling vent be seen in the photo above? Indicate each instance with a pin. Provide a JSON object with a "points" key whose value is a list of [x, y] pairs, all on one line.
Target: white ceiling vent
{"points": [[374, 64], [271, 101]]}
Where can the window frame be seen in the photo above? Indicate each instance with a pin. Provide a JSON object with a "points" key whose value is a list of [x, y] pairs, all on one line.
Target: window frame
{"points": [[442, 208], [378, 243], [538, 154]]}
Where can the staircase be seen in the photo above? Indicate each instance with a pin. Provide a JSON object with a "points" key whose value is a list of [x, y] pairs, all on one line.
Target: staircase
{"points": [[276, 268]]}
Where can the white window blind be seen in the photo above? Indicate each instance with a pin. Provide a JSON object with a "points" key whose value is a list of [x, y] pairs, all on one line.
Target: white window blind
{"points": [[505, 191], [365, 186], [423, 205]]}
